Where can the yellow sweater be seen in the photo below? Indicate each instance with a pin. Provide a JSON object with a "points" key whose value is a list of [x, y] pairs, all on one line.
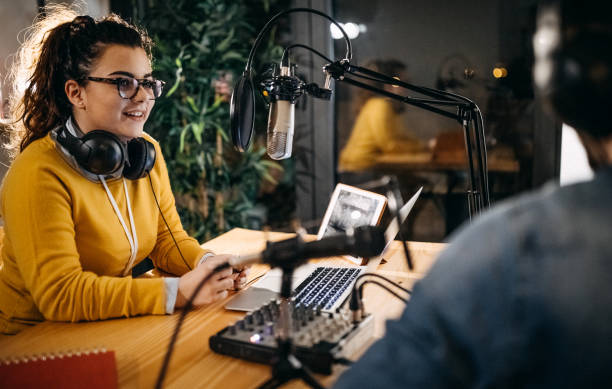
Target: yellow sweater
{"points": [[377, 131], [64, 248]]}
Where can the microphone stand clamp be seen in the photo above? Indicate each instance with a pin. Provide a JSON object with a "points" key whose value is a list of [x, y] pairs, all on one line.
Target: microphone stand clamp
{"points": [[314, 90]]}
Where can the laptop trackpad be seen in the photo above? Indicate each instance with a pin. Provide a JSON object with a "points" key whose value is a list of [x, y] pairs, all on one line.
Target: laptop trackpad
{"points": [[251, 299]]}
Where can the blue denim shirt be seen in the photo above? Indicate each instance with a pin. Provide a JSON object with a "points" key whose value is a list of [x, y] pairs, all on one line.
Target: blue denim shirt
{"points": [[522, 297]]}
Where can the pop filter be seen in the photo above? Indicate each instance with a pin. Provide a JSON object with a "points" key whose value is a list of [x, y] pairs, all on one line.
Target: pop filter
{"points": [[242, 112]]}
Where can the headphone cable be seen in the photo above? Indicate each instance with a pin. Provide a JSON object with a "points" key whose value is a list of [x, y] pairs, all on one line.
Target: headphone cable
{"points": [[167, 226]]}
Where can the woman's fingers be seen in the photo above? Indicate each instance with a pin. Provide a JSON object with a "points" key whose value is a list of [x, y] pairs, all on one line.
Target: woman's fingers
{"points": [[220, 295], [228, 283], [225, 273], [245, 272], [224, 284]]}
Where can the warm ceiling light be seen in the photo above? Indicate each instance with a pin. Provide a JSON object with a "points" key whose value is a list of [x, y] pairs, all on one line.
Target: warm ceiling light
{"points": [[500, 72], [398, 79]]}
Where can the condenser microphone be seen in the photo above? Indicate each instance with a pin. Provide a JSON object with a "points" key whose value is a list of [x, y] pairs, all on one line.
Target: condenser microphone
{"points": [[284, 91]]}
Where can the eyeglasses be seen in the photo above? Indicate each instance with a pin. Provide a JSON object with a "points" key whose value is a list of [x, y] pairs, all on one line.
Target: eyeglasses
{"points": [[128, 86]]}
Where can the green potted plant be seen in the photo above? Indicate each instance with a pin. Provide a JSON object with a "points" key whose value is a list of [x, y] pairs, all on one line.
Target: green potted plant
{"points": [[201, 47]]}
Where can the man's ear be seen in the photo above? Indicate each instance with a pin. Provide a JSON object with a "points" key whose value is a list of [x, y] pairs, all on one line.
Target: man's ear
{"points": [[75, 93]]}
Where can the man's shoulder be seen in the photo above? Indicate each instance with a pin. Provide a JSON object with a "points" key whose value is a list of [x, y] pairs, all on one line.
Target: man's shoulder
{"points": [[500, 234], [539, 224], [511, 214]]}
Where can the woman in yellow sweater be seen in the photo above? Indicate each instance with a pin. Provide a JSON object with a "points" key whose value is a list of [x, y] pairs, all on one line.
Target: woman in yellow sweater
{"points": [[378, 128], [79, 204]]}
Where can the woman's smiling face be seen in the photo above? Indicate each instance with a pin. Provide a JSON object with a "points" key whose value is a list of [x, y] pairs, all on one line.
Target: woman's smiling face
{"points": [[99, 105]]}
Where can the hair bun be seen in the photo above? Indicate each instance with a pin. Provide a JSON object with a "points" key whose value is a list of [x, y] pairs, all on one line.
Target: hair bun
{"points": [[81, 23]]}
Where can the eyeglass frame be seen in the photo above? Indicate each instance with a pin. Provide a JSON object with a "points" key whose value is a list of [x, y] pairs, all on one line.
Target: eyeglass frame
{"points": [[117, 80]]}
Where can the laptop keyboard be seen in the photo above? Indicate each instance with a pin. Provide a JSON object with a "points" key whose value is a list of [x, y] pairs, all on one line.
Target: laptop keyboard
{"points": [[324, 286]]}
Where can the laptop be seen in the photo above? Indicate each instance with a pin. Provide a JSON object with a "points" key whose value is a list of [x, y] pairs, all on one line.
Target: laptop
{"points": [[313, 285]]}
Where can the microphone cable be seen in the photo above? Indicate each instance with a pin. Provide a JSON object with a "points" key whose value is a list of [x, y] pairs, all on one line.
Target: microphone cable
{"points": [[167, 225], [288, 48]]}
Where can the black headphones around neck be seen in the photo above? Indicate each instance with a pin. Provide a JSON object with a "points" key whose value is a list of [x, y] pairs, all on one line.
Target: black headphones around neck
{"points": [[103, 153]]}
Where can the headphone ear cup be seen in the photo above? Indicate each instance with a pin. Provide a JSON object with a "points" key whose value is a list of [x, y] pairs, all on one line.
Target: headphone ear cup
{"points": [[100, 152], [583, 85], [579, 89], [141, 158], [74, 145]]}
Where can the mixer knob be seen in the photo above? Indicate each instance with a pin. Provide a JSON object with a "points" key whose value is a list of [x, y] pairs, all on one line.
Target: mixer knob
{"points": [[311, 315], [265, 311], [259, 319], [269, 329], [305, 340]]}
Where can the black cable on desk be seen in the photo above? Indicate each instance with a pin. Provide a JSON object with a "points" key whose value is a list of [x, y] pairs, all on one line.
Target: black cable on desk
{"points": [[343, 361], [383, 278], [382, 286], [354, 298], [162, 372]]}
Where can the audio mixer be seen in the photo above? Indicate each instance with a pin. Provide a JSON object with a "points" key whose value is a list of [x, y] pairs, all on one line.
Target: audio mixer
{"points": [[320, 338]]}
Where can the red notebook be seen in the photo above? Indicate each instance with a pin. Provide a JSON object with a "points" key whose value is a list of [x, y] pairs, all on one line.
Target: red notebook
{"points": [[90, 369]]}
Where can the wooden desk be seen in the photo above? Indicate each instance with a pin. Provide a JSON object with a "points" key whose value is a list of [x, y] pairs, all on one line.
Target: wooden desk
{"points": [[140, 343]]}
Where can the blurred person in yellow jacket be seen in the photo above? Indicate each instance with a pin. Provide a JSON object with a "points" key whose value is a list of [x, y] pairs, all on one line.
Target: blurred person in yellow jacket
{"points": [[79, 200], [378, 128]]}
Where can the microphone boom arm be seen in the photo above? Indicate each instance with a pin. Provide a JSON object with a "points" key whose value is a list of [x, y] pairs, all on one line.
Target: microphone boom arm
{"points": [[467, 112]]}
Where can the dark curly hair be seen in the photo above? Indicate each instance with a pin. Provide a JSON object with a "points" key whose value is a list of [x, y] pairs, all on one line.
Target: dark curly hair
{"points": [[60, 47]]}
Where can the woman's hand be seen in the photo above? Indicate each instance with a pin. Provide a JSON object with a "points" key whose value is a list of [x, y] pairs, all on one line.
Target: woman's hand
{"points": [[239, 275], [215, 288]]}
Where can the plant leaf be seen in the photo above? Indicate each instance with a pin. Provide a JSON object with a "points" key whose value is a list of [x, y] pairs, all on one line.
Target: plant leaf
{"points": [[182, 139], [197, 129]]}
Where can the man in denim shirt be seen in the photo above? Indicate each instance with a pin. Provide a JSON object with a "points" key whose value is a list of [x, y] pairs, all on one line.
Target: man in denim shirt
{"points": [[522, 297]]}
